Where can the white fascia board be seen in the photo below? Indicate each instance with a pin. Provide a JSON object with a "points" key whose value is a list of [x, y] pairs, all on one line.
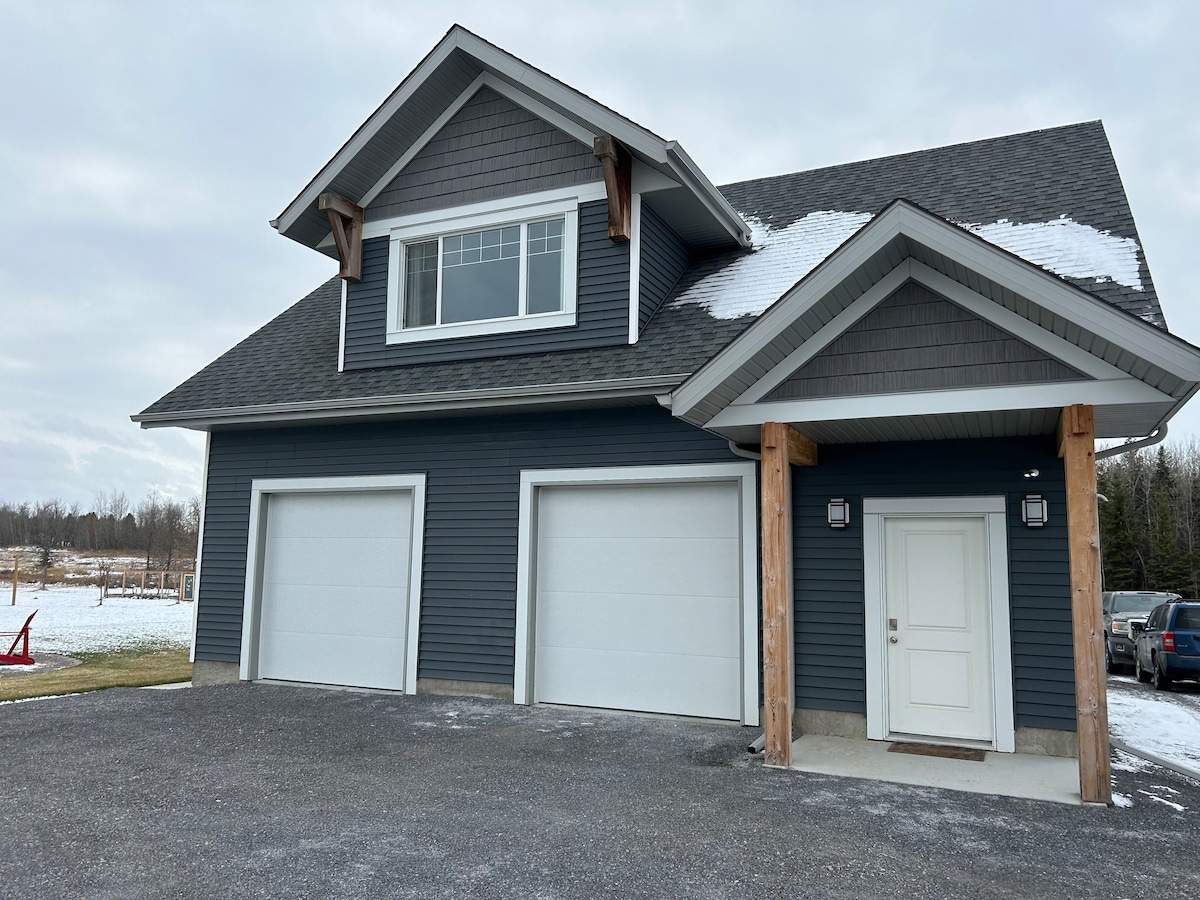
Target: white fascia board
{"points": [[690, 174], [791, 306], [1127, 390], [368, 130], [415, 404]]}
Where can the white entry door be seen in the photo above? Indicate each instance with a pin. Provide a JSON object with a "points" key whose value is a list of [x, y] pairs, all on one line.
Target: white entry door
{"points": [[937, 612]]}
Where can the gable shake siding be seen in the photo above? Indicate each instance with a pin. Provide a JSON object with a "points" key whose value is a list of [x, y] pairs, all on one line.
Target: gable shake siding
{"points": [[602, 311], [664, 258], [916, 340], [473, 470], [491, 148], [829, 593]]}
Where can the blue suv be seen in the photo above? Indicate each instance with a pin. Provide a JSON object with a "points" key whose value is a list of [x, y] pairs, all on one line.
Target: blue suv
{"points": [[1168, 648]]}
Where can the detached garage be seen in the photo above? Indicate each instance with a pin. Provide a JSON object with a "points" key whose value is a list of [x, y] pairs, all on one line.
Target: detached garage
{"points": [[637, 590], [332, 581]]}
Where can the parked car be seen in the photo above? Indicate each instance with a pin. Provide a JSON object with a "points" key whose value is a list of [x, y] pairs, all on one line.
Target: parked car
{"points": [[1168, 648], [1125, 613]]}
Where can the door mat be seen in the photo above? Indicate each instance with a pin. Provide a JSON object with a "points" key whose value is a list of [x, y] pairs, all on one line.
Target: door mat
{"points": [[941, 750]]}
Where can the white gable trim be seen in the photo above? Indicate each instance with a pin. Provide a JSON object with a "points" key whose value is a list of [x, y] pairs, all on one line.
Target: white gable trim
{"points": [[635, 268], [930, 403]]}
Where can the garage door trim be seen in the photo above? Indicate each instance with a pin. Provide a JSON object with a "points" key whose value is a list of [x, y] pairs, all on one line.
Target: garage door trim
{"points": [[742, 474], [260, 491]]}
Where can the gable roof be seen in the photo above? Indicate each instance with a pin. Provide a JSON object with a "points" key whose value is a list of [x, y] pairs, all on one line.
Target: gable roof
{"points": [[1139, 374], [287, 371], [453, 71]]}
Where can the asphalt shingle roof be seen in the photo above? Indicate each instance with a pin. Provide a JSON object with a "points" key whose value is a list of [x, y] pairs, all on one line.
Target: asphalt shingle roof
{"points": [[1034, 177]]}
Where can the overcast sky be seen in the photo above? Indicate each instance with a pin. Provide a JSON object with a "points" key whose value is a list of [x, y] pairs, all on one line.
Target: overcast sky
{"points": [[144, 146]]}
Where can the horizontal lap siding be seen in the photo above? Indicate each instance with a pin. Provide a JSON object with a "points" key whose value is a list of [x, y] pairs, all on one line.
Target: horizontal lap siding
{"points": [[664, 257], [829, 591], [473, 474], [602, 318]]}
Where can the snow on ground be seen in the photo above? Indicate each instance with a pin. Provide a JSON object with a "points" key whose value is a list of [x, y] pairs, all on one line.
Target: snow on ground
{"points": [[69, 621], [782, 256], [1165, 724]]}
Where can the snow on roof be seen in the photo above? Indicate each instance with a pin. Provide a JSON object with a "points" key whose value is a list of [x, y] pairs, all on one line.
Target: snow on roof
{"points": [[782, 256]]}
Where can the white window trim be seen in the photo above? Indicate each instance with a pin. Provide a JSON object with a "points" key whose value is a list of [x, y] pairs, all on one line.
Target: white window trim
{"points": [[992, 510], [260, 491], [744, 474], [426, 228]]}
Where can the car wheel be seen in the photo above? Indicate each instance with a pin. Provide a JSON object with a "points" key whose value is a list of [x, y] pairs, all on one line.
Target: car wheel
{"points": [[1109, 667], [1161, 681], [1142, 675]]}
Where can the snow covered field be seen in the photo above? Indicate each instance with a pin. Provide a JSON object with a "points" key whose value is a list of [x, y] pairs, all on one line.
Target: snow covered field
{"points": [[69, 621]]}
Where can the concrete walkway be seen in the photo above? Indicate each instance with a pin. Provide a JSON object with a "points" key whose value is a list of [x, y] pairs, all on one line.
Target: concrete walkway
{"points": [[1004, 774]]}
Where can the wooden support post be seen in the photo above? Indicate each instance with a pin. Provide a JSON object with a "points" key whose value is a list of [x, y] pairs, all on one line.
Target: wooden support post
{"points": [[618, 181], [123, 576], [16, 572], [346, 223], [143, 582], [1077, 447], [778, 683]]}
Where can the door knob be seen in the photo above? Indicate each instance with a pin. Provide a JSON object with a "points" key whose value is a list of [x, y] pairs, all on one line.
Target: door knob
{"points": [[894, 640]]}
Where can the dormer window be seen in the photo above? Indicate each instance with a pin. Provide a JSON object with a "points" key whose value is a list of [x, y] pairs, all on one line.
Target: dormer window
{"points": [[492, 272]]}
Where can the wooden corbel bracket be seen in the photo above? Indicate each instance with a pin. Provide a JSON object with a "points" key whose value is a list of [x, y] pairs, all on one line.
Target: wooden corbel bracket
{"points": [[346, 223], [618, 181]]}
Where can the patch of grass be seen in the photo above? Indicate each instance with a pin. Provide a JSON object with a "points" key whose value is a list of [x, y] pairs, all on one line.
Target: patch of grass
{"points": [[122, 668]]}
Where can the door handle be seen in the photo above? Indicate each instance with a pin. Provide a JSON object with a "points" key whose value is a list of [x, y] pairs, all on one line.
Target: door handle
{"points": [[894, 640]]}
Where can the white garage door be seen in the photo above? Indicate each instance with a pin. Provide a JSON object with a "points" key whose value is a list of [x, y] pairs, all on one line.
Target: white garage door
{"points": [[335, 588], [638, 598]]}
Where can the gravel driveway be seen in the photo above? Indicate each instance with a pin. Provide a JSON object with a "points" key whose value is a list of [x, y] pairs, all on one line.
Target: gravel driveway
{"points": [[271, 791]]}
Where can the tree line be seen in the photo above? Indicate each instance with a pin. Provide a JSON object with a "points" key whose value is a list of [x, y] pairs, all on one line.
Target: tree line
{"points": [[1150, 519], [160, 529]]}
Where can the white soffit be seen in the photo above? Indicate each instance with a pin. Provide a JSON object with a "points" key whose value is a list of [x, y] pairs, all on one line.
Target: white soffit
{"points": [[719, 394]]}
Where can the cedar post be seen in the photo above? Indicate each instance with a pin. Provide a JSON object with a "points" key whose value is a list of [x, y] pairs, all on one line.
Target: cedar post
{"points": [[1077, 447], [617, 166], [346, 223], [16, 570], [782, 447]]}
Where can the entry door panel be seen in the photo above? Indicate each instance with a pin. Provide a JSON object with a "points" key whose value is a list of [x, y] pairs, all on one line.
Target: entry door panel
{"points": [[335, 588], [638, 598], [937, 612]]}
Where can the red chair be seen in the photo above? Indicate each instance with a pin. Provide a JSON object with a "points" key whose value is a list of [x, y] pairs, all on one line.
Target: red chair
{"points": [[12, 657]]}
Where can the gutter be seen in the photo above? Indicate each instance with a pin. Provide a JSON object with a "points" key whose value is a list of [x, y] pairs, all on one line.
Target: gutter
{"points": [[1155, 437], [413, 404]]}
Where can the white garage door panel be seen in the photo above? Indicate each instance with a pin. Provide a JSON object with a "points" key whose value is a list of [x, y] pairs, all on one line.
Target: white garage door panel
{"points": [[333, 561], [638, 598], [682, 686], [601, 621], [682, 566], [335, 587], [351, 660]]}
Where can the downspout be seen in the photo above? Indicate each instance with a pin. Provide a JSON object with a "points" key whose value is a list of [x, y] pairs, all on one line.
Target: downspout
{"points": [[738, 450], [1149, 441]]}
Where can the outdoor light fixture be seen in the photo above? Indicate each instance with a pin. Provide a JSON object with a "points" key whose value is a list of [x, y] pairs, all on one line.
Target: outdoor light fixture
{"points": [[839, 513], [1035, 512], [1031, 473]]}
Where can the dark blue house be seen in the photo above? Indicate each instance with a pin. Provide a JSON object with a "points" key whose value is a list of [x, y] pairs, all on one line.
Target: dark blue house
{"points": [[576, 426]]}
